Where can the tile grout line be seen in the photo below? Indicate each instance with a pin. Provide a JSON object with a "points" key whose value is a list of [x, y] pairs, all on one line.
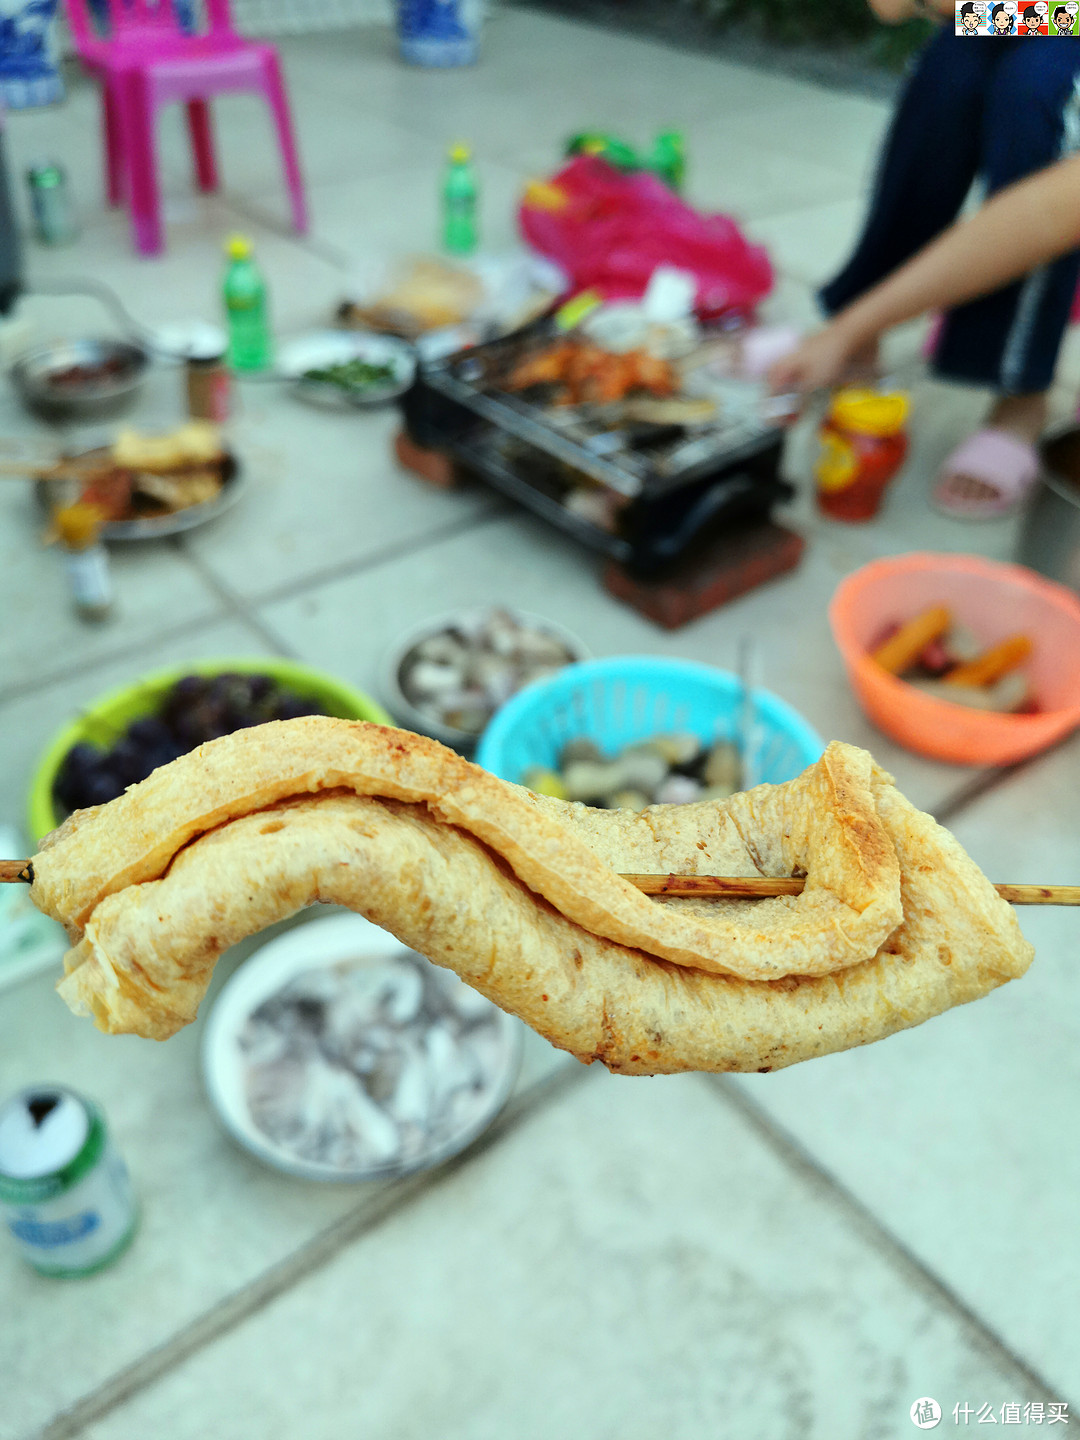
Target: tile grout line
{"points": [[291, 588], [108, 657], [234, 606], [398, 550], [987, 781], [310, 1257], [799, 1159]]}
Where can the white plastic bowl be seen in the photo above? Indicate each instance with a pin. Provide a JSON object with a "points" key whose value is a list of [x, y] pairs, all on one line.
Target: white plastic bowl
{"points": [[319, 943]]}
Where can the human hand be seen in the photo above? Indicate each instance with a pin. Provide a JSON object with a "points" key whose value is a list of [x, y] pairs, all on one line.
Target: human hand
{"points": [[817, 363]]}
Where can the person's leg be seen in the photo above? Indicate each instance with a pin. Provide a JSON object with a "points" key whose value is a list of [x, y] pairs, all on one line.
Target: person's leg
{"points": [[928, 163], [1010, 339]]}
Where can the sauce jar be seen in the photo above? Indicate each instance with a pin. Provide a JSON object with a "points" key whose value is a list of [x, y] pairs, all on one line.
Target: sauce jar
{"points": [[863, 444], [207, 378]]}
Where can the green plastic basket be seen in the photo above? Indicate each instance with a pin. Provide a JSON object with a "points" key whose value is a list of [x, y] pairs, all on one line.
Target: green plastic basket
{"points": [[106, 719]]}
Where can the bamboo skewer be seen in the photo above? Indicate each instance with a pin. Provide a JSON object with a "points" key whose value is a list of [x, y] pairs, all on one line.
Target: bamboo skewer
{"points": [[41, 474], [719, 887]]}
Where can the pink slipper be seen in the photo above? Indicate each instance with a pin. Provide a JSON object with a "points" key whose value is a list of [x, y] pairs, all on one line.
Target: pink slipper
{"points": [[997, 458]]}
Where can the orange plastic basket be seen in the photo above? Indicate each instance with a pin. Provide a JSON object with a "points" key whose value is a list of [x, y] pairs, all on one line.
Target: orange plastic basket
{"points": [[992, 600]]}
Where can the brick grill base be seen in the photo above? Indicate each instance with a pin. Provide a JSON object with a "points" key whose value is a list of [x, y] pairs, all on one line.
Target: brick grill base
{"points": [[709, 575]]}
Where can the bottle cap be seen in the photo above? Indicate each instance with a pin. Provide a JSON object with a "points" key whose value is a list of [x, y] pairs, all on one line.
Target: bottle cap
{"points": [[239, 247], [869, 413], [460, 154], [78, 525]]}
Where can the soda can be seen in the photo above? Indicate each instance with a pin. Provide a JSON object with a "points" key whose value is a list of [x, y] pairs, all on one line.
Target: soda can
{"points": [[50, 201], [65, 1195]]}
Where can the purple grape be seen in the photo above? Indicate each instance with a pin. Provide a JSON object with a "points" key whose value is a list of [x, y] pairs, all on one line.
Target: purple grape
{"points": [[292, 707], [128, 762], [186, 692], [163, 754], [78, 765], [80, 758], [101, 786], [149, 731]]}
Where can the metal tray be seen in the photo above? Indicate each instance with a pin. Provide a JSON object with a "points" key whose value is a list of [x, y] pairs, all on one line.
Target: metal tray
{"points": [[153, 527], [585, 436]]}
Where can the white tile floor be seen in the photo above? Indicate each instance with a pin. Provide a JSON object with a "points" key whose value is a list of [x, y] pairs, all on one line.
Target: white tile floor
{"points": [[795, 1255]]}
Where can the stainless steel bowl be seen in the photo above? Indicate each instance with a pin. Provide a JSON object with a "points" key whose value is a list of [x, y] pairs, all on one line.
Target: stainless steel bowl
{"points": [[33, 377], [1050, 539], [402, 708]]}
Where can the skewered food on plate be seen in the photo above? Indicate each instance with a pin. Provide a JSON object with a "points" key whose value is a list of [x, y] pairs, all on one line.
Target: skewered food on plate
{"points": [[523, 896], [143, 475]]}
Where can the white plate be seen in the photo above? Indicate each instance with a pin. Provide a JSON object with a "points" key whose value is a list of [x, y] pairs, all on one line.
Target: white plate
{"points": [[319, 943], [337, 347]]}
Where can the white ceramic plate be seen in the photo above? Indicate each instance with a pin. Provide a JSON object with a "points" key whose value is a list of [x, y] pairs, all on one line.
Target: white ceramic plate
{"points": [[337, 347], [326, 941]]}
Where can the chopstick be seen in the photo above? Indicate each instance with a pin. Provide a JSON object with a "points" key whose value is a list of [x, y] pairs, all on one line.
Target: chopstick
{"points": [[720, 887], [731, 887]]}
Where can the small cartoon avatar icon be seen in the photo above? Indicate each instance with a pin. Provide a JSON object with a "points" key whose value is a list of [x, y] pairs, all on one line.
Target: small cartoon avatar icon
{"points": [[969, 20], [1001, 19], [1031, 21], [1062, 20]]}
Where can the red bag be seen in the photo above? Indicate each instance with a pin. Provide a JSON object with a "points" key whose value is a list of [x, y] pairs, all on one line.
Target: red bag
{"points": [[613, 230]]}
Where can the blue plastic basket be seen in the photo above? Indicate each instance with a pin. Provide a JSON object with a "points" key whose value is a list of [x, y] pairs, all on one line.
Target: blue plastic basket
{"points": [[628, 698]]}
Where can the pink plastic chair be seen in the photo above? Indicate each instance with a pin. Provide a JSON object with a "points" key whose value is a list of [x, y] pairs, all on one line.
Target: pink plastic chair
{"points": [[147, 61]]}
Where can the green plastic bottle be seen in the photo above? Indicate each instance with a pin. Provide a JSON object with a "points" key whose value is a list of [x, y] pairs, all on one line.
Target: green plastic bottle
{"points": [[246, 308], [607, 147], [668, 159], [460, 203]]}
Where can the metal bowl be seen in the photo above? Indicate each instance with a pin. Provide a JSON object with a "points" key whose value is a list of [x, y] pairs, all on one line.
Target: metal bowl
{"points": [[33, 376], [1050, 538], [402, 708]]}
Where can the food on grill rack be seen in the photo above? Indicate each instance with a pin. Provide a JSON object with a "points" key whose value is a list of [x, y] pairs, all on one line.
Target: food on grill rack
{"points": [[585, 373], [525, 897]]}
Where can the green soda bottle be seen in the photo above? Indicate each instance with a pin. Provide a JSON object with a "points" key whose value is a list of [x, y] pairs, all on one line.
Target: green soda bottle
{"points": [[668, 159], [245, 306], [460, 198]]}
